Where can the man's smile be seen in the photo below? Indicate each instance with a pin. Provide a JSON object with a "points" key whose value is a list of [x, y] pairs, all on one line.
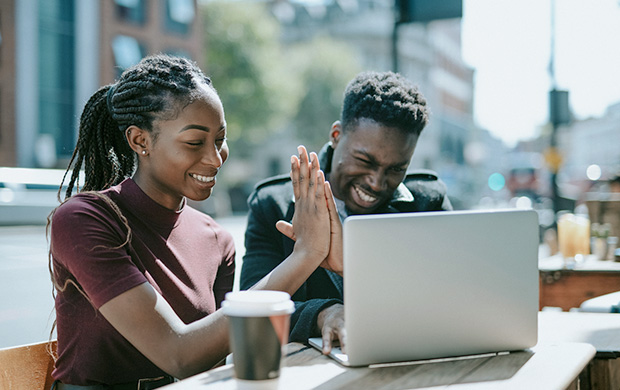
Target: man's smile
{"points": [[364, 195], [362, 199]]}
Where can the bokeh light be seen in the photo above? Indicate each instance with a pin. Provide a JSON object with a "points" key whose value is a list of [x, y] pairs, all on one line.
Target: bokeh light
{"points": [[523, 202], [496, 181], [593, 172]]}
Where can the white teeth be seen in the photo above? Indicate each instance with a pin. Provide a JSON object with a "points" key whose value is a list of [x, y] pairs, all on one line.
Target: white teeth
{"points": [[365, 197], [204, 179]]}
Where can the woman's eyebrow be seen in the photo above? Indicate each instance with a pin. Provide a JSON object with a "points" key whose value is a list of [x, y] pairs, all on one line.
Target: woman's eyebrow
{"points": [[197, 127]]}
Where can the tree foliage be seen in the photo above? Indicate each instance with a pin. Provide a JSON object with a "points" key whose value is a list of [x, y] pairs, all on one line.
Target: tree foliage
{"points": [[330, 66], [266, 86], [245, 61]]}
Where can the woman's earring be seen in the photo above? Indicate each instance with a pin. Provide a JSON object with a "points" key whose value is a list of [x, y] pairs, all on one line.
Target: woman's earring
{"points": [[144, 152]]}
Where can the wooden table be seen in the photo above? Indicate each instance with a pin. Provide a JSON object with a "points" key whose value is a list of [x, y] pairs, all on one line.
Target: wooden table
{"points": [[552, 366], [601, 330], [569, 287]]}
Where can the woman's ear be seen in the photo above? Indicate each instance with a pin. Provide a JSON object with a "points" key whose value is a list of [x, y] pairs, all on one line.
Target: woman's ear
{"points": [[138, 139], [335, 133]]}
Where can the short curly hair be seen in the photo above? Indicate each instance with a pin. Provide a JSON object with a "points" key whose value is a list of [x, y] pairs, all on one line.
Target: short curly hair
{"points": [[387, 98]]}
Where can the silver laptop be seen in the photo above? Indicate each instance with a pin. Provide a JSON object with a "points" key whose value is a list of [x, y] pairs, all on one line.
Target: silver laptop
{"points": [[430, 285]]}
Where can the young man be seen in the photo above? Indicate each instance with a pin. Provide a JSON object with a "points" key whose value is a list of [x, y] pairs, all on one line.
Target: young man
{"points": [[365, 162]]}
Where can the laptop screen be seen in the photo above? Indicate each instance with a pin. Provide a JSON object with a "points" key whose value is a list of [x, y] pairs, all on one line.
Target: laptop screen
{"points": [[440, 284]]}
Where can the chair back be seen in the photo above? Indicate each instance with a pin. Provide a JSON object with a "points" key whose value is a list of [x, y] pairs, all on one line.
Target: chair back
{"points": [[27, 367]]}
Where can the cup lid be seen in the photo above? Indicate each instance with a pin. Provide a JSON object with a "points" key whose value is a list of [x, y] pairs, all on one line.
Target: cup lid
{"points": [[257, 303]]}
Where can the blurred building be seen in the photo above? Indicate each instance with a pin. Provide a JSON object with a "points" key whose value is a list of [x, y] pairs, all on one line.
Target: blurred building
{"points": [[592, 141], [55, 53], [588, 152], [429, 54]]}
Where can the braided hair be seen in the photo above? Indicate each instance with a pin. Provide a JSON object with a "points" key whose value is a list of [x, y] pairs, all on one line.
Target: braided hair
{"points": [[157, 88], [387, 98]]}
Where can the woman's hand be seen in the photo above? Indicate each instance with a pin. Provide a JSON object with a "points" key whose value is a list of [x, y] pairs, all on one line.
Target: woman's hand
{"points": [[311, 222], [334, 260]]}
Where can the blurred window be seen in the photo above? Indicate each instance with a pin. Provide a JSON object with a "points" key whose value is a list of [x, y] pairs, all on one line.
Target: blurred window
{"points": [[127, 52], [133, 11], [56, 69], [179, 15]]}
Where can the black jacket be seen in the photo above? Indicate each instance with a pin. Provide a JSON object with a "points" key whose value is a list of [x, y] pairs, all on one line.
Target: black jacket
{"points": [[265, 247]]}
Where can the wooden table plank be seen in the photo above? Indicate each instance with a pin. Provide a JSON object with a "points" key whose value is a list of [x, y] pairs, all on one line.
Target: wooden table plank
{"points": [[437, 375], [549, 367]]}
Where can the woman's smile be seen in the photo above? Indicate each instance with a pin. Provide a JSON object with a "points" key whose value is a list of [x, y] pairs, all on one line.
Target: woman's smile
{"points": [[203, 179]]}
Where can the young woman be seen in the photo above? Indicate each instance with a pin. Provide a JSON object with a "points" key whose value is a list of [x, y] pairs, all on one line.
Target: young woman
{"points": [[139, 274]]}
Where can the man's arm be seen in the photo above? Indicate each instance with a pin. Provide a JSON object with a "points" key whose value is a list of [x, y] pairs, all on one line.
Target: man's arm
{"points": [[304, 321], [266, 247]]}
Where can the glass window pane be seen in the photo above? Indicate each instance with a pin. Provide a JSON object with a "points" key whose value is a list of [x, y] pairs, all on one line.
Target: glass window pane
{"points": [[181, 11], [128, 3], [179, 16], [56, 68], [127, 51], [133, 11]]}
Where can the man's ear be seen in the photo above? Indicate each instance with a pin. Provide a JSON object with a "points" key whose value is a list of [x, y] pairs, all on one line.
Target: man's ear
{"points": [[335, 133], [138, 139]]}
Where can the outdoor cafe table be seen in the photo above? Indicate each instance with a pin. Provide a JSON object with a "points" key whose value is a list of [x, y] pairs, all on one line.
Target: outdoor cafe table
{"points": [[567, 288], [553, 366], [601, 330]]}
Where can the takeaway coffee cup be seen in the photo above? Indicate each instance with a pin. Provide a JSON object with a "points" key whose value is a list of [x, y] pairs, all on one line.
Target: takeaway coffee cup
{"points": [[259, 326]]}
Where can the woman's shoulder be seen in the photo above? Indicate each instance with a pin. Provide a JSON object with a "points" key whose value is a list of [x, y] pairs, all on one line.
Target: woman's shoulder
{"points": [[88, 203], [81, 218]]}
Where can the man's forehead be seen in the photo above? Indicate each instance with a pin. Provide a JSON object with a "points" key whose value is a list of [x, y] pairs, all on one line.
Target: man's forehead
{"points": [[395, 154], [374, 136]]}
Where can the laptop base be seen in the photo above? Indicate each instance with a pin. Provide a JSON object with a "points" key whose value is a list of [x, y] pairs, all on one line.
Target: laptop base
{"points": [[342, 358]]}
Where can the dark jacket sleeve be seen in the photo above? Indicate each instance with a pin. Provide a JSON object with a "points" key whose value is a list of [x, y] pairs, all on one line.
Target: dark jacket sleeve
{"points": [[266, 248], [264, 244], [303, 320]]}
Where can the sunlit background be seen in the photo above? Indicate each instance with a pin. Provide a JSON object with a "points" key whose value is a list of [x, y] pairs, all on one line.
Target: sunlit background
{"points": [[280, 66], [489, 73]]}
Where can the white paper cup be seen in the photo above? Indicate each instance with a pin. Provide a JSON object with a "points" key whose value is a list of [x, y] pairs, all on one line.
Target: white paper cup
{"points": [[259, 325]]}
